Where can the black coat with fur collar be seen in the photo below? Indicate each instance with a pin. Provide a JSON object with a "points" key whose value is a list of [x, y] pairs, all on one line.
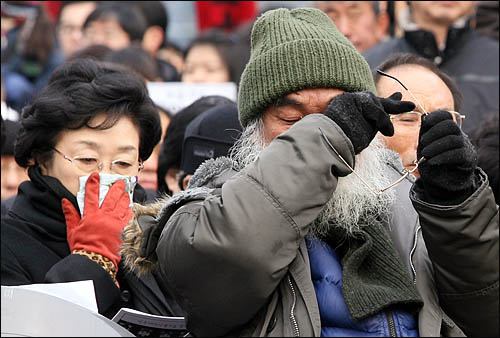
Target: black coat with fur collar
{"points": [[35, 250]]}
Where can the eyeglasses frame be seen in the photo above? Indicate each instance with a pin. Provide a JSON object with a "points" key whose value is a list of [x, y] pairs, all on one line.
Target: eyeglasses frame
{"points": [[100, 165], [406, 172]]}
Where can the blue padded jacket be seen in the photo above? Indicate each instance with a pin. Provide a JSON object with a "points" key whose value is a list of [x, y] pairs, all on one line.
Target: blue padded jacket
{"points": [[336, 321]]}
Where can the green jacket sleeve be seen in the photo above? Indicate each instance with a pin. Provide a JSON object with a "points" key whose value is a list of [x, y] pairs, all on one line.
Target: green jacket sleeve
{"points": [[224, 256], [462, 241]]}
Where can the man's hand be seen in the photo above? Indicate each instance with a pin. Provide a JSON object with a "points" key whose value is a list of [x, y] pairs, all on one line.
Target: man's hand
{"points": [[99, 230], [447, 173], [361, 115]]}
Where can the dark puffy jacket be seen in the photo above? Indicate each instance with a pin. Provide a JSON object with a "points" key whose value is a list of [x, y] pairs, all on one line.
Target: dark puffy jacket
{"points": [[326, 273], [470, 59]]}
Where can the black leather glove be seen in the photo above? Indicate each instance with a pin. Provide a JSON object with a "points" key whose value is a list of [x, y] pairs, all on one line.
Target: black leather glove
{"points": [[447, 173], [361, 115]]}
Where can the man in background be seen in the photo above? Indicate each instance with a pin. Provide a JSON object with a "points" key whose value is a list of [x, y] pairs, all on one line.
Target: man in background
{"points": [[362, 22], [440, 31], [70, 24], [116, 25]]}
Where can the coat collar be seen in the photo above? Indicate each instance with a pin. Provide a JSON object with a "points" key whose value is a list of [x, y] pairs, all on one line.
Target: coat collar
{"points": [[425, 44]]}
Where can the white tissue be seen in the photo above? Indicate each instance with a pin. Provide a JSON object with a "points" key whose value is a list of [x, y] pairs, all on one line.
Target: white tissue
{"points": [[106, 180]]}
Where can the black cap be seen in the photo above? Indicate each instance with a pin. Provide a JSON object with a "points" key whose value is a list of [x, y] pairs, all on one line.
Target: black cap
{"points": [[171, 150], [210, 135]]}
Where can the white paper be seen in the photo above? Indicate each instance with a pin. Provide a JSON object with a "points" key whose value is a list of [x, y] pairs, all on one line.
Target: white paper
{"points": [[142, 319], [175, 96], [81, 293]]}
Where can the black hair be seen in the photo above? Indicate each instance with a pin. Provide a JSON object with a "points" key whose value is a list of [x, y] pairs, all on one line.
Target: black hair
{"points": [[130, 19], [138, 60], [34, 40], [65, 4], [78, 91], [225, 48], [171, 151], [154, 12], [4, 137], [9, 132], [401, 59], [486, 140], [94, 52]]}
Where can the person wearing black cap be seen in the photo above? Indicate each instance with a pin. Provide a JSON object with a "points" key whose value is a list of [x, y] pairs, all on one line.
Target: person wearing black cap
{"points": [[169, 160], [208, 136]]}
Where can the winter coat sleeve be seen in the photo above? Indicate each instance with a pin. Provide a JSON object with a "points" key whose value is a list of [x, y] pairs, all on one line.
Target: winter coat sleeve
{"points": [[76, 268], [462, 241], [37, 264], [225, 255]]}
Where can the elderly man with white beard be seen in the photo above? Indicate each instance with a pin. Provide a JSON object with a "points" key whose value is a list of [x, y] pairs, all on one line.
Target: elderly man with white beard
{"points": [[310, 228]]}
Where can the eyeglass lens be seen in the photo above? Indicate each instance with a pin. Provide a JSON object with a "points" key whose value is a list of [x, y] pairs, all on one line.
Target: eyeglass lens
{"points": [[90, 164], [456, 116]]}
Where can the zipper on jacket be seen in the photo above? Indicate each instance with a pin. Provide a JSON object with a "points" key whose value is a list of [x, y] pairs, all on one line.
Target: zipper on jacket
{"points": [[390, 321], [295, 326], [411, 255]]}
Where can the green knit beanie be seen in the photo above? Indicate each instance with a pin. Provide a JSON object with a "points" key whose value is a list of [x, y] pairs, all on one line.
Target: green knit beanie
{"points": [[293, 50]]}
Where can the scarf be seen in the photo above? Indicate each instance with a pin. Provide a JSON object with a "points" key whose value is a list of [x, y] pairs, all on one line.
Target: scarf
{"points": [[373, 275]]}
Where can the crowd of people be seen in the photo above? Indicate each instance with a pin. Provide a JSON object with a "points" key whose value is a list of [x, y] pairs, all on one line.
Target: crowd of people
{"points": [[351, 189]]}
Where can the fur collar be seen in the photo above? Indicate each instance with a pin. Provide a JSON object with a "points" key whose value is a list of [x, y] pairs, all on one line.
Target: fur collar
{"points": [[141, 235]]}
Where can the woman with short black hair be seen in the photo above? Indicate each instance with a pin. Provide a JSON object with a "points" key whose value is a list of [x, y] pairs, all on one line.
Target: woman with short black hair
{"points": [[83, 140]]}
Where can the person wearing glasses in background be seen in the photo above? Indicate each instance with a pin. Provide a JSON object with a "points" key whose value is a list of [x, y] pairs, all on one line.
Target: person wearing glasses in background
{"points": [[83, 140], [310, 232], [71, 17], [442, 32], [426, 86]]}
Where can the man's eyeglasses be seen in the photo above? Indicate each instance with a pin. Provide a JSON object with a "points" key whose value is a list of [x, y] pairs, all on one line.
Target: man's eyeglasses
{"points": [[374, 190], [413, 118], [89, 165], [457, 117]]}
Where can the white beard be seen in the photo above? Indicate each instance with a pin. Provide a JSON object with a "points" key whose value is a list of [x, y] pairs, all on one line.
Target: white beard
{"points": [[248, 147], [352, 201]]}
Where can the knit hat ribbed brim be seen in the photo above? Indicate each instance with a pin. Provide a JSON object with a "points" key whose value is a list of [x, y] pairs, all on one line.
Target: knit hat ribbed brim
{"points": [[294, 50]]}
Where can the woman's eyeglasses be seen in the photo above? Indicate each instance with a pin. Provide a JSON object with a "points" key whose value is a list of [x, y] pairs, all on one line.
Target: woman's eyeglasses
{"points": [[457, 117], [89, 164]]}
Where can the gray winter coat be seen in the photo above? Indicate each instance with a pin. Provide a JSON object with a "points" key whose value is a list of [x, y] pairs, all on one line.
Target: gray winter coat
{"points": [[235, 254]]}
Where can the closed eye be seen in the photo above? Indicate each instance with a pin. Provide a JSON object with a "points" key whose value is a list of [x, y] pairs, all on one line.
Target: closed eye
{"points": [[122, 164], [290, 120], [86, 160]]}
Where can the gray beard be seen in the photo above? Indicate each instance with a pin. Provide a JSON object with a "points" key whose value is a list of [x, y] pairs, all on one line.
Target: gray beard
{"points": [[352, 205]]}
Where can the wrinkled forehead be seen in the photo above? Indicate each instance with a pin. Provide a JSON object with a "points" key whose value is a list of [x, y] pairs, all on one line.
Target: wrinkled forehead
{"points": [[431, 91]]}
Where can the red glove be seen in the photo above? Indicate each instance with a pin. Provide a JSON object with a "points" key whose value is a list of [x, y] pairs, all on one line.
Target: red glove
{"points": [[99, 230]]}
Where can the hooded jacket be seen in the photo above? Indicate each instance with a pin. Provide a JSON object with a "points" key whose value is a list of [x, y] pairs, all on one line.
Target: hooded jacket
{"points": [[469, 58], [35, 250], [232, 248]]}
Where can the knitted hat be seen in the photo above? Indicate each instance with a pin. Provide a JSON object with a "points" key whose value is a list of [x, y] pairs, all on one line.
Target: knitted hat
{"points": [[298, 49]]}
